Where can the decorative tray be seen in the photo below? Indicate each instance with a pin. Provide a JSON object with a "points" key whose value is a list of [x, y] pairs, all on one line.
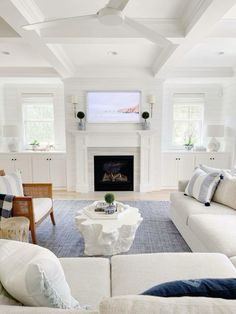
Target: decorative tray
{"points": [[91, 213]]}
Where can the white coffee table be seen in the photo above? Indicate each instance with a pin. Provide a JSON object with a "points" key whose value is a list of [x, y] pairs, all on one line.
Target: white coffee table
{"points": [[108, 236]]}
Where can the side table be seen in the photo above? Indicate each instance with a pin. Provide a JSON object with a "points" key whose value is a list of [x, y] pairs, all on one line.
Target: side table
{"points": [[15, 228]]}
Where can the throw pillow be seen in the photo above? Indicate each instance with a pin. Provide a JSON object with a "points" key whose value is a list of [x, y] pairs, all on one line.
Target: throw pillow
{"points": [[11, 184], [202, 186], [34, 276], [5, 298], [211, 288], [225, 192]]}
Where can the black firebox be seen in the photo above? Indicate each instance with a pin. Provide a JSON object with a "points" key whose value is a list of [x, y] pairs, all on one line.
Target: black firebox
{"points": [[114, 173]]}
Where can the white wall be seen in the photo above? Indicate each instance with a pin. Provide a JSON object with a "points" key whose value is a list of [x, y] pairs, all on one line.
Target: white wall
{"points": [[79, 87], [229, 102], [213, 112], [10, 97]]}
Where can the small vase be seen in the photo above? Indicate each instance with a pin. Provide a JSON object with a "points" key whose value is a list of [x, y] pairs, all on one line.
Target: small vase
{"points": [[146, 125], [188, 147], [81, 125]]}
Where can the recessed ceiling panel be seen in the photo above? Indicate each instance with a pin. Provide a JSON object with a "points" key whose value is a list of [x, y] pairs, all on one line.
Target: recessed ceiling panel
{"points": [[19, 54], [213, 52], [134, 8], [115, 55]]}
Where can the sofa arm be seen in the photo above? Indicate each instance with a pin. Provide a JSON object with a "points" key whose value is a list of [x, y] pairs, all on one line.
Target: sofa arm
{"points": [[182, 184]]}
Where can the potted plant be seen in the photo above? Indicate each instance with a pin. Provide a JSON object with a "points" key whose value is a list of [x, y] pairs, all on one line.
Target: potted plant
{"points": [[188, 143], [109, 199], [34, 144], [145, 116], [80, 116]]}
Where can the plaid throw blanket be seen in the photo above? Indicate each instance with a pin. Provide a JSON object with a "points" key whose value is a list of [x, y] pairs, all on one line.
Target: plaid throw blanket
{"points": [[6, 203]]}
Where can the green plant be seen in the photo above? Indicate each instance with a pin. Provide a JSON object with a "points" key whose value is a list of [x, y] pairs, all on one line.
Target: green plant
{"points": [[80, 115], [34, 142], [145, 115], [109, 198], [188, 140]]}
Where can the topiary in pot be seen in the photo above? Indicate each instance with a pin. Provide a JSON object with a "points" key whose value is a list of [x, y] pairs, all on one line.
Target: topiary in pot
{"points": [[145, 116], [80, 116], [109, 198]]}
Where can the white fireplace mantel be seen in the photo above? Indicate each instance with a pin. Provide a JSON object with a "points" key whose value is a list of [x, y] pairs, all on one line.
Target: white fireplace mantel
{"points": [[143, 139]]}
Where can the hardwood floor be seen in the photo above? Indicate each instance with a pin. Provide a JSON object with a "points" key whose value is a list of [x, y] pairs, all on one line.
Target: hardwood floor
{"points": [[122, 196]]}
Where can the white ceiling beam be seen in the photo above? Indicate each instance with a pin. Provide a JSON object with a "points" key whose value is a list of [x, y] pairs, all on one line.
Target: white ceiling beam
{"points": [[200, 72], [16, 17], [27, 72], [202, 27]]}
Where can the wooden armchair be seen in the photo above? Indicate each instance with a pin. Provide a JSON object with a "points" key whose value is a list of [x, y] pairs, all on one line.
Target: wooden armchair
{"points": [[36, 204]]}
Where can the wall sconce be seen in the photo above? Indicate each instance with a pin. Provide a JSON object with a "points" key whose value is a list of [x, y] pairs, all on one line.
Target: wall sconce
{"points": [[74, 101], [151, 99]]}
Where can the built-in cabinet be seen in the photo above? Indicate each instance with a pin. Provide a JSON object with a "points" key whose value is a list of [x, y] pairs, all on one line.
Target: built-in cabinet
{"points": [[180, 166], [37, 167]]}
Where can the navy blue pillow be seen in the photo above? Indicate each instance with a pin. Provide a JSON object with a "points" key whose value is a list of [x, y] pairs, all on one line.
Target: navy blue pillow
{"points": [[212, 288]]}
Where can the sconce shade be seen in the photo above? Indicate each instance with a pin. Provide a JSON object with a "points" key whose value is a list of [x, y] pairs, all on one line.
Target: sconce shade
{"points": [[10, 131], [74, 99], [151, 99], [215, 130]]}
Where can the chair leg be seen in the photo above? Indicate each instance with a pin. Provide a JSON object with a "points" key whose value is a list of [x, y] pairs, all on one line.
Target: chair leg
{"points": [[33, 233], [52, 218]]}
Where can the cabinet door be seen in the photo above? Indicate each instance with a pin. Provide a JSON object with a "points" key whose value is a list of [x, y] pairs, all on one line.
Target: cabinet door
{"points": [[215, 160], [7, 163], [169, 170], [41, 169], [58, 171], [185, 165], [23, 163]]}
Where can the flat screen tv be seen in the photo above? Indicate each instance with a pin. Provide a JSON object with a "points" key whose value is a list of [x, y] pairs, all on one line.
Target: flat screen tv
{"points": [[113, 106]]}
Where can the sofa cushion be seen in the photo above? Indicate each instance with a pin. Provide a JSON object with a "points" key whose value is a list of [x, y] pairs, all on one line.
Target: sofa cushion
{"points": [[33, 275], [217, 232], [133, 274], [202, 185], [226, 190], [157, 305], [187, 206], [224, 288], [41, 207], [88, 278], [5, 309]]}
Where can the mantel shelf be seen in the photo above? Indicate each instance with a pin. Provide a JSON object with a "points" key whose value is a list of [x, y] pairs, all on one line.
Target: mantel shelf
{"points": [[107, 132]]}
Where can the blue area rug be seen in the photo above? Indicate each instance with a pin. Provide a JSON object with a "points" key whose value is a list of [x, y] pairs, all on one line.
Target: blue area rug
{"points": [[156, 233]]}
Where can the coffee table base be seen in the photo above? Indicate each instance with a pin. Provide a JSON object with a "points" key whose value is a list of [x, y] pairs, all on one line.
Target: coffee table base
{"points": [[108, 237]]}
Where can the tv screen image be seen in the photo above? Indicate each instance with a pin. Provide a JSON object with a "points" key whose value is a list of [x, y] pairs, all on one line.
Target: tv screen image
{"points": [[108, 107]]}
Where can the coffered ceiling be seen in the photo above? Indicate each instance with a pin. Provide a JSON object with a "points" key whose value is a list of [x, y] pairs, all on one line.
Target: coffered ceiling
{"points": [[201, 34]]}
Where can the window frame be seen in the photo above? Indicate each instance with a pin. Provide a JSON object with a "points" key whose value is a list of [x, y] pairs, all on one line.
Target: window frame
{"points": [[31, 95], [200, 97]]}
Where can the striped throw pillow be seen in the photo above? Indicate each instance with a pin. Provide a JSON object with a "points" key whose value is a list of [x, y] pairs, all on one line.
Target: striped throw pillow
{"points": [[202, 185], [11, 184]]}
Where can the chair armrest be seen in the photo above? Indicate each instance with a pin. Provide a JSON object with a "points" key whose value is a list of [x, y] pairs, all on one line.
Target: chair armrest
{"points": [[22, 206], [38, 190], [182, 184]]}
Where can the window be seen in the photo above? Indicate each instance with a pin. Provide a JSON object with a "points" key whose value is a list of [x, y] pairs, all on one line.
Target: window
{"points": [[187, 118], [38, 118]]}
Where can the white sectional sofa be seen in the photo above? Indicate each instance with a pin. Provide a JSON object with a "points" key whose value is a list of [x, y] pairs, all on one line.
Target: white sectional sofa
{"points": [[205, 229], [94, 280]]}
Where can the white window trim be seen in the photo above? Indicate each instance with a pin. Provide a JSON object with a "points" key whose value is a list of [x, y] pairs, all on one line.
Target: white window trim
{"points": [[184, 96], [42, 95]]}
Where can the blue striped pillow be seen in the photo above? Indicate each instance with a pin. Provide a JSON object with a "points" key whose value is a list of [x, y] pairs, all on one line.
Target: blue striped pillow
{"points": [[202, 185], [11, 184]]}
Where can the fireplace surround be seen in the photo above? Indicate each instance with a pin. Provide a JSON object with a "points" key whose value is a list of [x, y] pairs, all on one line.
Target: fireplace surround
{"points": [[114, 173]]}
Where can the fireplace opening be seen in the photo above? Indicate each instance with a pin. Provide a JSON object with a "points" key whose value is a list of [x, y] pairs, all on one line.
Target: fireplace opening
{"points": [[113, 173]]}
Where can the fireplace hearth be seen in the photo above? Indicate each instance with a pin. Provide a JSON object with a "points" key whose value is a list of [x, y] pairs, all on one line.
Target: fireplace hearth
{"points": [[114, 173]]}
